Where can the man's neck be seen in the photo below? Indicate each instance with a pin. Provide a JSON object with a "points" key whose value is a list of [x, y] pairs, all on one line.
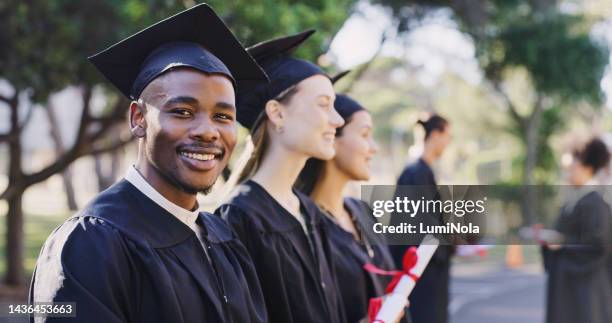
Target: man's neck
{"points": [[168, 190], [429, 157]]}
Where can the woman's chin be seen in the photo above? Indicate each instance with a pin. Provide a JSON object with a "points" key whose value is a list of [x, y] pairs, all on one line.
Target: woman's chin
{"points": [[360, 175], [325, 153]]}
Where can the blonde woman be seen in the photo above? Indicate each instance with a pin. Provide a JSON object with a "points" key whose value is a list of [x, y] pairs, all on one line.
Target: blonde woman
{"points": [[291, 119]]}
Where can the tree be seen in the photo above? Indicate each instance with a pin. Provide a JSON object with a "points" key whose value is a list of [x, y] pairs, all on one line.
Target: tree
{"points": [[45, 44], [563, 65]]}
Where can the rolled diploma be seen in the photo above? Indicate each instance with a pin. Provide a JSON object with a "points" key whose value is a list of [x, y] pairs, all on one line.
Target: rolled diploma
{"points": [[396, 301], [545, 235]]}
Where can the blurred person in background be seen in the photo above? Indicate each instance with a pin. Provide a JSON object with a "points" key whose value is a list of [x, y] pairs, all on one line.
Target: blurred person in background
{"points": [[430, 297], [579, 280], [349, 220]]}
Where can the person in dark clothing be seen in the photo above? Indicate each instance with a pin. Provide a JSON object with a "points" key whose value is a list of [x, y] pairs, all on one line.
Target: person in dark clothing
{"points": [[579, 282], [349, 220], [291, 119], [141, 251], [429, 299]]}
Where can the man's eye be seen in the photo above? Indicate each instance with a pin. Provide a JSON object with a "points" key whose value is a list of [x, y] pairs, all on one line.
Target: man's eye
{"points": [[182, 112], [224, 116]]}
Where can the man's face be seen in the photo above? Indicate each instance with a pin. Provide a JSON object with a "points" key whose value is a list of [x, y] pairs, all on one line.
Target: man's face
{"points": [[190, 128], [441, 139]]}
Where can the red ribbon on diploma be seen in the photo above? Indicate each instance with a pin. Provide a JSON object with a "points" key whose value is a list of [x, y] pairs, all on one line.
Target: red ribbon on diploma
{"points": [[408, 262], [374, 307]]}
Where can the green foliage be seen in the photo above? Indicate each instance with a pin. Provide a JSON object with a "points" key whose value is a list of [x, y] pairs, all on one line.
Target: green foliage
{"points": [[45, 43], [564, 65], [49, 41], [259, 20], [562, 61], [547, 164], [554, 47], [553, 120]]}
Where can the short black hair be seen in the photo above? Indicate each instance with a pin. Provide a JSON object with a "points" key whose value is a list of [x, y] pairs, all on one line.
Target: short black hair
{"points": [[594, 154], [434, 122]]}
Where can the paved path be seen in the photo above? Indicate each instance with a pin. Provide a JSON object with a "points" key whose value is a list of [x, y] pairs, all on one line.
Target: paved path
{"points": [[500, 296]]}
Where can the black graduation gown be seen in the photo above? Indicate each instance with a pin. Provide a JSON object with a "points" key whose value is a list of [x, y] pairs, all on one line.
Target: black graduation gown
{"points": [[579, 285], [356, 285], [297, 285], [126, 259], [430, 296]]}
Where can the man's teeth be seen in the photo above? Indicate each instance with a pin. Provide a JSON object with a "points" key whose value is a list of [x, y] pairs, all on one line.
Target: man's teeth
{"points": [[198, 156]]}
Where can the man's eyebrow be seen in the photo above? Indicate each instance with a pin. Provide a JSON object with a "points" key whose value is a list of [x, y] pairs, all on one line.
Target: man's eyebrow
{"points": [[225, 106], [182, 99]]}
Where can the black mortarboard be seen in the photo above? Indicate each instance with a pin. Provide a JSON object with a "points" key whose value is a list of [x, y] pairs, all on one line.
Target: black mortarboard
{"points": [[284, 71], [344, 104], [195, 38], [339, 76]]}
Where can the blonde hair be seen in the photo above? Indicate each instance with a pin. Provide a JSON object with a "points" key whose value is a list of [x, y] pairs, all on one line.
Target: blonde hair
{"points": [[259, 137]]}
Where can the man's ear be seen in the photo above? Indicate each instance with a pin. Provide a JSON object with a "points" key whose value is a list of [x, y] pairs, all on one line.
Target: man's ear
{"points": [[274, 111], [138, 123]]}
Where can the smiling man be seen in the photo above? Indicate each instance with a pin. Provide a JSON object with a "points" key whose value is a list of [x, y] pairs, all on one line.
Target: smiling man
{"points": [[141, 251]]}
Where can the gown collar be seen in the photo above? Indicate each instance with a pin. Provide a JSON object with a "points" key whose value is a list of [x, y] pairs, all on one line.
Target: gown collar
{"points": [[186, 216]]}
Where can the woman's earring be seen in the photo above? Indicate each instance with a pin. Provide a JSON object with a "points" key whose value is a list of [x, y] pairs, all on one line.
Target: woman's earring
{"points": [[138, 131], [279, 128]]}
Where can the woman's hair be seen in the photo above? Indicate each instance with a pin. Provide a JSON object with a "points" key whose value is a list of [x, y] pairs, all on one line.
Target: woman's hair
{"points": [[309, 176], [594, 154], [434, 122], [259, 136]]}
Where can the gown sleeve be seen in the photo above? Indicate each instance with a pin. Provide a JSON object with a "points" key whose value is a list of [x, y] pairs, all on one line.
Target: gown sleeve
{"points": [[86, 261], [588, 252]]}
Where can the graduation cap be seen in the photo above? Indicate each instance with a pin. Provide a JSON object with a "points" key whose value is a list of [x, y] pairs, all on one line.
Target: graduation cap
{"points": [[339, 76], [284, 71], [196, 38], [344, 104]]}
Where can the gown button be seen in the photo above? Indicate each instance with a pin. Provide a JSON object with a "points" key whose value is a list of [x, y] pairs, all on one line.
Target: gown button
{"points": [[225, 298], [323, 285]]}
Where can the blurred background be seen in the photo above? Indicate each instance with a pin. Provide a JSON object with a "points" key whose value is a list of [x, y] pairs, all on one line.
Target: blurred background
{"points": [[521, 81]]}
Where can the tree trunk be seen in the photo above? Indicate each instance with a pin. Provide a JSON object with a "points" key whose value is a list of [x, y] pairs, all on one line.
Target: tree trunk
{"points": [[59, 150], [115, 164], [14, 218], [14, 242], [69, 189], [107, 175], [532, 133], [100, 174]]}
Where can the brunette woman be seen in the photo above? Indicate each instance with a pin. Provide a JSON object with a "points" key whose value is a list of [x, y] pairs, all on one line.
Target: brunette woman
{"points": [[349, 220], [579, 286]]}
